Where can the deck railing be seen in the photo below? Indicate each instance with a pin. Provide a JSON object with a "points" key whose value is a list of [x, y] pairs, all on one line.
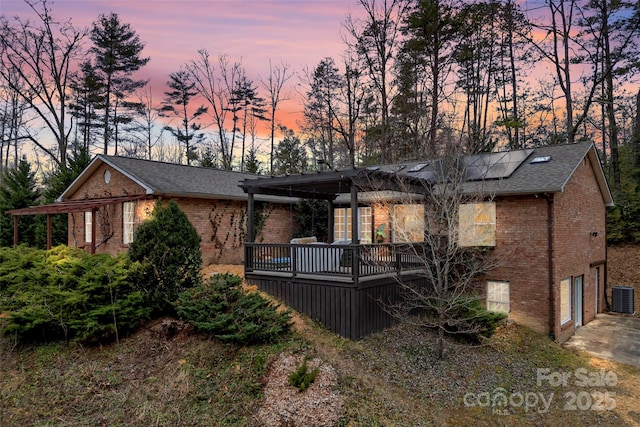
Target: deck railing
{"points": [[345, 261]]}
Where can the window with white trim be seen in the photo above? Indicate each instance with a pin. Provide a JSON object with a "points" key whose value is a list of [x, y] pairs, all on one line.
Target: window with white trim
{"points": [[342, 224], [565, 300], [498, 296], [88, 227], [128, 218]]}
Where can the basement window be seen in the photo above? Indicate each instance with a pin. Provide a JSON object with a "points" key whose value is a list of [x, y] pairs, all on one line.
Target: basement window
{"points": [[498, 296]]}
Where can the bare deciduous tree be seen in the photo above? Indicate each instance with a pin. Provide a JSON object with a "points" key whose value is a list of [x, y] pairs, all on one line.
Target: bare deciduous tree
{"points": [[41, 58], [273, 84], [376, 39], [215, 84], [450, 255]]}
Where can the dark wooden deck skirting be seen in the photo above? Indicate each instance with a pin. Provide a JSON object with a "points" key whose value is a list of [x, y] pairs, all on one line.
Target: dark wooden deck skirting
{"points": [[346, 309]]}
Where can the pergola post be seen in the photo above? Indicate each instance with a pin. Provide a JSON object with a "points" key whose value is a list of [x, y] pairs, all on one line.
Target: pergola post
{"points": [[49, 232], [354, 215], [250, 213], [15, 230]]}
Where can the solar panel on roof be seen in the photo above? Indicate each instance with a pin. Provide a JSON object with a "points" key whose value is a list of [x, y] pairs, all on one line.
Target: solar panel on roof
{"points": [[495, 165]]}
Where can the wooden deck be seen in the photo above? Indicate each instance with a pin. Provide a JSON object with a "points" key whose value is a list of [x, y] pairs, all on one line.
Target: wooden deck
{"points": [[345, 287]]}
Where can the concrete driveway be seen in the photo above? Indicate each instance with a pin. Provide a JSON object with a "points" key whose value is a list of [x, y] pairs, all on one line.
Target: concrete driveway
{"points": [[610, 337]]}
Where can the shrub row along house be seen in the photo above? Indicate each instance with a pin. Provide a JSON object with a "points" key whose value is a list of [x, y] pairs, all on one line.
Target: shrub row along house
{"points": [[544, 212]]}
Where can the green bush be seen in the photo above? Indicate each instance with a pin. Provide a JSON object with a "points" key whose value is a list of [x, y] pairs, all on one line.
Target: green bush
{"points": [[167, 248], [222, 308], [471, 320], [67, 294], [302, 378]]}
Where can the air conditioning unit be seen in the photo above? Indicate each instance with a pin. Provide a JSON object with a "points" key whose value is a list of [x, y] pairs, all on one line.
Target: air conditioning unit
{"points": [[623, 299]]}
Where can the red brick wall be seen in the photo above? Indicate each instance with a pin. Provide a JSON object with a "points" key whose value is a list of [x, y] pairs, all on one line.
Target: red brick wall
{"points": [[522, 257], [522, 248], [109, 218], [221, 224], [579, 211]]}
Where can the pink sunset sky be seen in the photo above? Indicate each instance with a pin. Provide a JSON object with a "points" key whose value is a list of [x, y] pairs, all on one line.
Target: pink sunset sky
{"points": [[299, 33]]}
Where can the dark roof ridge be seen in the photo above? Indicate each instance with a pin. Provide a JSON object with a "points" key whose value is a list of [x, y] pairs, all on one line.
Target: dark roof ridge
{"points": [[109, 156]]}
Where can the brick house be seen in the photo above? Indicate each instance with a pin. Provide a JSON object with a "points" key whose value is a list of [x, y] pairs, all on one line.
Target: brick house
{"points": [[113, 195], [545, 216]]}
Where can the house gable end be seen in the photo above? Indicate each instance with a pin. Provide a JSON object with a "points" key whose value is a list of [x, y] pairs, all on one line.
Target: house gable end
{"points": [[90, 174]]}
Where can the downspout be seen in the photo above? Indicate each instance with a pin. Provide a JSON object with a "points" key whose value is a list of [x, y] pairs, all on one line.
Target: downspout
{"points": [[607, 306], [552, 295]]}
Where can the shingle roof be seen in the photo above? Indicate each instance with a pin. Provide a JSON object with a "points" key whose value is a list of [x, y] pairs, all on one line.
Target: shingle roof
{"points": [[550, 174], [173, 180], [501, 173]]}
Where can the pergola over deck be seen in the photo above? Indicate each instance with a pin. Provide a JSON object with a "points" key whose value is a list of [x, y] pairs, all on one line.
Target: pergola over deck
{"points": [[340, 285], [328, 186]]}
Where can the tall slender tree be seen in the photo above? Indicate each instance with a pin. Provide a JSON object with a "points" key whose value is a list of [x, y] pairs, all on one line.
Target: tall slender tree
{"points": [[476, 57], [177, 100], [431, 35], [376, 39], [215, 83], [325, 84], [274, 84], [87, 100], [618, 24], [117, 50], [347, 119], [512, 48], [13, 119], [251, 107]]}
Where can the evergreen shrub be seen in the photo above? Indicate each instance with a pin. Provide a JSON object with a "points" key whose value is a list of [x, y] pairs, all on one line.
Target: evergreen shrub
{"points": [[302, 378], [68, 294], [167, 250], [472, 321], [223, 309]]}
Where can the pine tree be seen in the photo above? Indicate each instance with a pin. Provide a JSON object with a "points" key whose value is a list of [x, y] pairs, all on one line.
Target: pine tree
{"points": [[18, 189], [117, 49], [177, 102]]}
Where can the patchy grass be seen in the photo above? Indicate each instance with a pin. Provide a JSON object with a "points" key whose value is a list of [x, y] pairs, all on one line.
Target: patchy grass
{"points": [[390, 378], [395, 379], [174, 377], [147, 379]]}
